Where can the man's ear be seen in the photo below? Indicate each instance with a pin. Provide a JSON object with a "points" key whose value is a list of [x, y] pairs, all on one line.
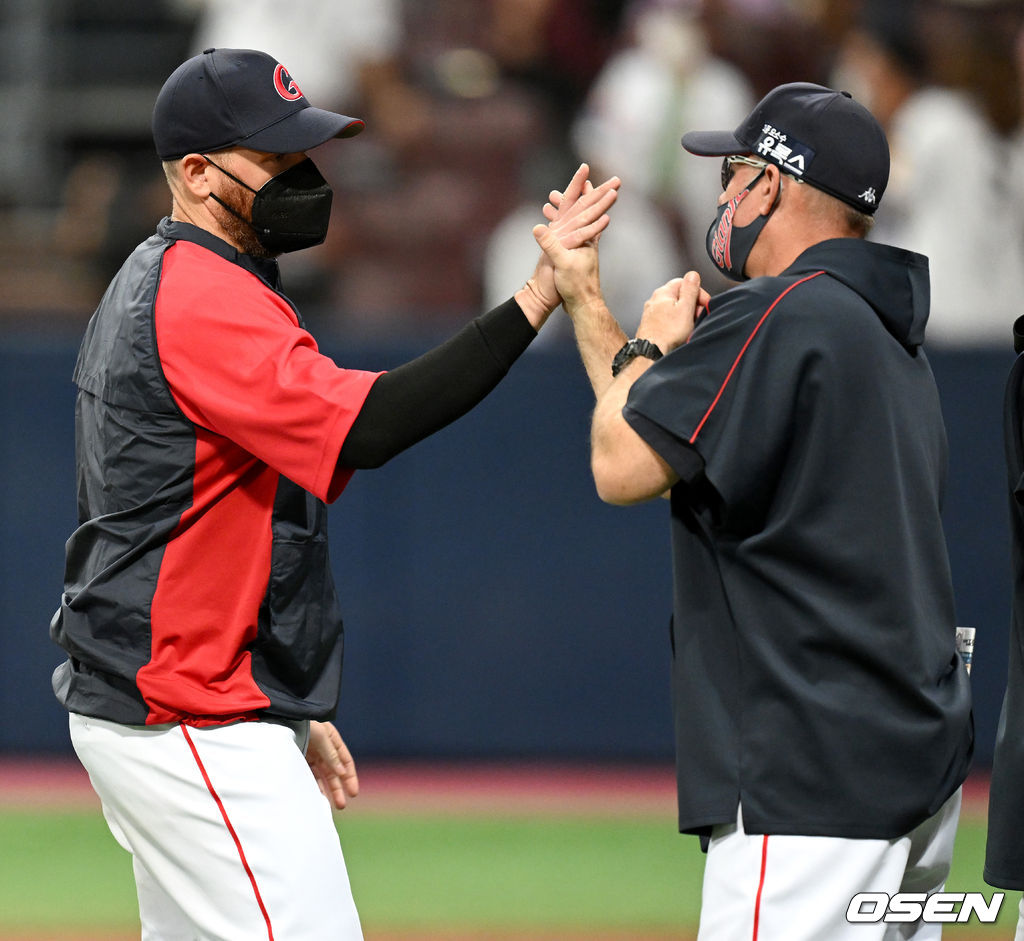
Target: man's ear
{"points": [[769, 189], [194, 169]]}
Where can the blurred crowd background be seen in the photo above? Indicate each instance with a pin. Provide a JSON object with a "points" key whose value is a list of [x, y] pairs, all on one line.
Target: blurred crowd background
{"points": [[484, 596], [475, 109]]}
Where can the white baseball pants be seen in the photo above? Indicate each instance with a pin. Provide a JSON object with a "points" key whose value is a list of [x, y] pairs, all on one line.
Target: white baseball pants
{"points": [[798, 888], [230, 836]]}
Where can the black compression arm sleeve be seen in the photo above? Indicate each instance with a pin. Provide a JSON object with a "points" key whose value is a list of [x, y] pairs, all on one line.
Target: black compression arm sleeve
{"points": [[415, 400]]}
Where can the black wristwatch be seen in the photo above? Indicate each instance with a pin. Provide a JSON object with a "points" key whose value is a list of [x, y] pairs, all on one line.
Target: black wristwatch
{"points": [[634, 348]]}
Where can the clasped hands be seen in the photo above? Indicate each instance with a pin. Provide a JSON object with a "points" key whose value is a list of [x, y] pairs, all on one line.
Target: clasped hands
{"points": [[568, 271]]}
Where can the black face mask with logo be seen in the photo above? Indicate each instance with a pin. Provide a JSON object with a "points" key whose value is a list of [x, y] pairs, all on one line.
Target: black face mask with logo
{"points": [[729, 245], [291, 211]]}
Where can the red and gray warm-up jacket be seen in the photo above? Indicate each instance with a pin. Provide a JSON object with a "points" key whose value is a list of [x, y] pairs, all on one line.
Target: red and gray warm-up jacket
{"points": [[208, 428], [210, 432]]}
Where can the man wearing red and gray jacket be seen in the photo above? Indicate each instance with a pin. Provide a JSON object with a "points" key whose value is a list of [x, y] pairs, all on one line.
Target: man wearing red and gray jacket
{"points": [[199, 616]]}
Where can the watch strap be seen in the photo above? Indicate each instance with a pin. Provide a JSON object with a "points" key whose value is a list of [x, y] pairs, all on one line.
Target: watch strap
{"points": [[631, 350]]}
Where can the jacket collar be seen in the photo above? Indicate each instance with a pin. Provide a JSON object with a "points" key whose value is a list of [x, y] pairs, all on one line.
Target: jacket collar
{"points": [[892, 280], [266, 269]]}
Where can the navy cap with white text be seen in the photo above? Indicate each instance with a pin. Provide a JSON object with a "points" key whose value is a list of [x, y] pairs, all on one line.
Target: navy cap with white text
{"points": [[815, 134], [239, 97]]}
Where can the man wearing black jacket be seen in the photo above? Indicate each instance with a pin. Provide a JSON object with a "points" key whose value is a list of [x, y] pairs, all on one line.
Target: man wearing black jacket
{"points": [[823, 717]]}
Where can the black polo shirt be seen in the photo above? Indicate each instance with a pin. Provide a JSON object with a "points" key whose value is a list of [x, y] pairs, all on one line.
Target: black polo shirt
{"points": [[814, 674]]}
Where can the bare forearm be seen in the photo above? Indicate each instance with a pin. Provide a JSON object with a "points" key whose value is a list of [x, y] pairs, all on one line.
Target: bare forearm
{"points": [[626, 470], [599, 337]]}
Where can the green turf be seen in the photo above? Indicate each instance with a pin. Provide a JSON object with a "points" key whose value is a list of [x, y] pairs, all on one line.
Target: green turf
{"points": [[968, 861], [522, 873], [63, 870]]}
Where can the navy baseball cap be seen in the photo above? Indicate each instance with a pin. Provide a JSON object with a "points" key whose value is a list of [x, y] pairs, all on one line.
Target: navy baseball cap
{"points": [[815, 134], [239, 97]]}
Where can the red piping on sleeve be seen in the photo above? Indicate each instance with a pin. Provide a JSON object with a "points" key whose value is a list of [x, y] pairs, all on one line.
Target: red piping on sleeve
{"points": [[739, 356]]}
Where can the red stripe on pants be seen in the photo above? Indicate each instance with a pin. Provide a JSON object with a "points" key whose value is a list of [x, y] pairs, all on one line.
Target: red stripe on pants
{"points": [[234, 835], [760, 886]]}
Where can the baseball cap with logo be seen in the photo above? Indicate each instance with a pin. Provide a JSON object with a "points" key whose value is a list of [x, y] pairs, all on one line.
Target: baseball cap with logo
{"points": [[813, 133], [239, 97]]}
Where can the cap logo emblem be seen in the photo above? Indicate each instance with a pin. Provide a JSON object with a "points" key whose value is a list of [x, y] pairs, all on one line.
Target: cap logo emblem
{"points": [[869, 196], [285, 85], [789, 154]]}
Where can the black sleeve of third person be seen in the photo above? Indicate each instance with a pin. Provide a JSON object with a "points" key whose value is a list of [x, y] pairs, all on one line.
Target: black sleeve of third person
{"points": [[413, 401]]}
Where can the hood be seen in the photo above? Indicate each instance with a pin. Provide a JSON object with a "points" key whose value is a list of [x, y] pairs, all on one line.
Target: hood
{"points": [[893, 281]]}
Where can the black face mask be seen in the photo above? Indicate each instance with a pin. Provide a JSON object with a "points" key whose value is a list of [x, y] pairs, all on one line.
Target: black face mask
{"points": [[730, 245], [291, 211]]}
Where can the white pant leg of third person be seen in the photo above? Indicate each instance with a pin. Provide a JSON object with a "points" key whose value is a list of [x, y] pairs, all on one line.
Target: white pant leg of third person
{"points": [[798, 888], [232, 839], [931, 853]]}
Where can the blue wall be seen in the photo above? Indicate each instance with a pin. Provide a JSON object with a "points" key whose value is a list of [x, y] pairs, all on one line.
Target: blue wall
{"points": [[493, 605]]}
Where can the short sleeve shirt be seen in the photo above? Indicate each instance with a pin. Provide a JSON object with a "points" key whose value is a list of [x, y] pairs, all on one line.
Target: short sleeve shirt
{"points": [[814, 674]]}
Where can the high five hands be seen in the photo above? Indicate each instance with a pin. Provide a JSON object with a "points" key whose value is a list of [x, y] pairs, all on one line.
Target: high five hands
{"points": [[671, 311], [576, 218]]}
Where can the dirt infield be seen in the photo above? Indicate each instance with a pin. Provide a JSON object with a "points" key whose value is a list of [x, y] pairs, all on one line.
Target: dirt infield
{"points": [[415, 787], [437, 787]]}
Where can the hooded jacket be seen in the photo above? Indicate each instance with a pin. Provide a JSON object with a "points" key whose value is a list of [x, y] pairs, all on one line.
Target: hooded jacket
{"points": [[815, 680]]}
